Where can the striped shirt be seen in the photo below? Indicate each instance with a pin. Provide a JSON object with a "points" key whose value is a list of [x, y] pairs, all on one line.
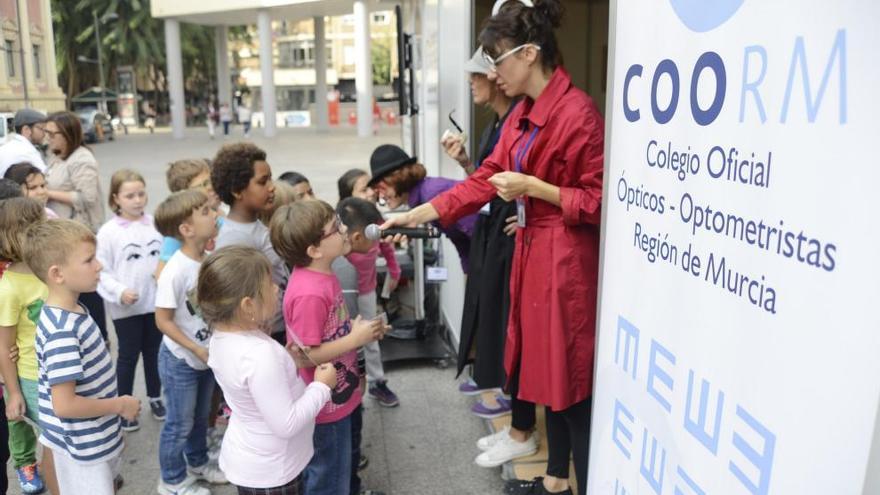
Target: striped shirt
{"points": [[70, 349]]}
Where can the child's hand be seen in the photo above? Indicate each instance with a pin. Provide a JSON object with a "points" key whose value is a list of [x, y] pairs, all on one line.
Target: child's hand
{"points": [[299, 356], [129, 407], [202, 353], [326, 374], [15, 407], [367, 330], [13, 354], [129, 297], [392, 286]]}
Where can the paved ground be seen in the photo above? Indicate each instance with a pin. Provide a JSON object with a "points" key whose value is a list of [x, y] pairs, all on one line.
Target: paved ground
{"points": [[425, 446]]}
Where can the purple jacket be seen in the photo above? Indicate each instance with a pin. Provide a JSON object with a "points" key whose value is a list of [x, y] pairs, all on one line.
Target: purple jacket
{"points": [[460, 232]]}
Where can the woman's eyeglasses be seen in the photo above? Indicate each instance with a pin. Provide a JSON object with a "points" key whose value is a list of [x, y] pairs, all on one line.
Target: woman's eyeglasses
{"points": [[495, 62]]}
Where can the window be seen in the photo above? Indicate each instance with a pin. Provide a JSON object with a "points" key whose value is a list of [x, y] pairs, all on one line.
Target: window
{"points": [[348, 19], [10, 58], [38, 70], [381, 18], [296, 54]]}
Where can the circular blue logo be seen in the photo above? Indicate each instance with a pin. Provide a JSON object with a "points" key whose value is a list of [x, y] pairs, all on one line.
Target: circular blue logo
{"points": [[705, 15]]}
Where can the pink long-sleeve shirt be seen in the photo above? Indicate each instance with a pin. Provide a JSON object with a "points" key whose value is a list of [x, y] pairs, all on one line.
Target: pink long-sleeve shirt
{"points": [[365, 264]]}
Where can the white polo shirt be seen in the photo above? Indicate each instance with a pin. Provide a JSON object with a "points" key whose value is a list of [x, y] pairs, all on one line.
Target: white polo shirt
{"points": [[17, 149]]}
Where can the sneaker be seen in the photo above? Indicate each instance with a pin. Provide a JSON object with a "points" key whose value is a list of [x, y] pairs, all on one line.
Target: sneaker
{"points": [[130, 425], [363, 462], [383, 394], [501, 408], [158, 409], [209, 472], [214, 453], [30, 480], [470, 387], [186, 487], [506, 449], [489, 441], [530, 487]]}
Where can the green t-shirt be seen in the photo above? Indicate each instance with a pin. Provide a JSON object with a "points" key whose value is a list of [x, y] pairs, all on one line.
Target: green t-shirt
{"points": [[21, 298]]}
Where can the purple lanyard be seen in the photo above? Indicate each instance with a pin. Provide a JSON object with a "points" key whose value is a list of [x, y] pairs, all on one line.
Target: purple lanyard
{"points": [[523, 149]]}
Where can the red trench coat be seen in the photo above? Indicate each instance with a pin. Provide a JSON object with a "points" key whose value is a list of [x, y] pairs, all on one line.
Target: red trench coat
{"points": [[551, 332]]}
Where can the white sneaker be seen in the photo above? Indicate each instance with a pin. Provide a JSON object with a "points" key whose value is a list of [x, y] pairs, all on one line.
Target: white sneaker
{"points": [[506, 449], [210, 472], [489, 441], [185, 487]]}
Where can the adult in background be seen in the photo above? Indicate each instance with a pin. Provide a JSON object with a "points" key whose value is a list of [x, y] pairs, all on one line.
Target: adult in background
{"points": [[401, 180], [549, 159], [487, 291], [75, 189], [23, 146]]}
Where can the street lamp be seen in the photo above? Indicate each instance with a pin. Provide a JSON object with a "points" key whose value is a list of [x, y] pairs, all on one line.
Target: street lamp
{"points": [[110, 16]]}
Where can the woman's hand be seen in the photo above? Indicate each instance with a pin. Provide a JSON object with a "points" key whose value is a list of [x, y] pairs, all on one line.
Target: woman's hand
{"points": [[511, 185], [511, 226], [421, 214], [454, 147]]}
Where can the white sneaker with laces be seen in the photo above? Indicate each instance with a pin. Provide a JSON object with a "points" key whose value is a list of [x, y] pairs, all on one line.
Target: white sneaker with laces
{"points": [[489, 441], [506, 449], [185, 487], [210, 472]]}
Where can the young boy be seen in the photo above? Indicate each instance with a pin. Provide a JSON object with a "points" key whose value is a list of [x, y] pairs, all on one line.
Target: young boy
{"points": [[309, 237], [183, 356], [79, 406], [357, 276], [243, 180], [180, 176]]}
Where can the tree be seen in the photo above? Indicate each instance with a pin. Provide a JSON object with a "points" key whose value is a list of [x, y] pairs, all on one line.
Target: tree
{"points": [[381, 55]]}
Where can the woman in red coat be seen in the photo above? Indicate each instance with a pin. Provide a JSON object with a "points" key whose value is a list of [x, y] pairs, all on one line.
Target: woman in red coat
{"points": [[549, 159]]}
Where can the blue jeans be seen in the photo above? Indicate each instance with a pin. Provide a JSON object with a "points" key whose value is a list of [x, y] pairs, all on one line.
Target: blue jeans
{"points": [[329, 471], [188, 403]]}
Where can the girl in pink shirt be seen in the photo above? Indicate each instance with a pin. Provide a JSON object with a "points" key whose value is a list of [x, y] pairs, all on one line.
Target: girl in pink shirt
{"points": [[268, 442]]}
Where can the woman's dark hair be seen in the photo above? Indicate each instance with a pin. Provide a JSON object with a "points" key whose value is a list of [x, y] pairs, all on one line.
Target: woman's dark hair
{"points": [[293, 178], [347, 181], [21, 171], [71, 128], [515, 24], [233, 169]]}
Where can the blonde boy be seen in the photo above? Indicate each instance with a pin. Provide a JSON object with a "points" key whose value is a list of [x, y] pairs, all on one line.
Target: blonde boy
{"points": [[79, 404]]}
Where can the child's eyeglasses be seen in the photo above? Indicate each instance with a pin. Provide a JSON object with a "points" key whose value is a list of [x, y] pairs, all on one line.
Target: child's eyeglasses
{"points": [[338, 228]]}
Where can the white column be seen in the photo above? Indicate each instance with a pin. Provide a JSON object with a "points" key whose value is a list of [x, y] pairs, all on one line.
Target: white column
{"points": [[175, 77], [264, 26], [363, 69], [221, 49], [322, 119], [28, 49]]}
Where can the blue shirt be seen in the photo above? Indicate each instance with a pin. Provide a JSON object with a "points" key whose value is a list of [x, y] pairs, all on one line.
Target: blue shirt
{"points": [[70, 349]]}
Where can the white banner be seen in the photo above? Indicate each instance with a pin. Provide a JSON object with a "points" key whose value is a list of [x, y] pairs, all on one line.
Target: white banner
{"points": [[739, 326]]}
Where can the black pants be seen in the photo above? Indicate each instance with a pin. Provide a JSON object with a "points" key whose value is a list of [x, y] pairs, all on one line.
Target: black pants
{"points": [[4, 449], [568, 434], [95, 304], [138, 336], [522, 413], [292, 488], [357, 426]]}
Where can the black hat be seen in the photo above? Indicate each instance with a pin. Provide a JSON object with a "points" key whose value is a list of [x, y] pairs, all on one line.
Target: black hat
{"points": [[27, 116], [386, 159]]}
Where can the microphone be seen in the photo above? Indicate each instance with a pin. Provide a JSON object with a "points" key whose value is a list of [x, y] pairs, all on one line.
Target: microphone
{"points": [[374, 233]]}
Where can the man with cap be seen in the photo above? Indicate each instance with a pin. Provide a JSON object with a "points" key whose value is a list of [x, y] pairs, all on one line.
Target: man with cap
{"points": [[22, 145]]}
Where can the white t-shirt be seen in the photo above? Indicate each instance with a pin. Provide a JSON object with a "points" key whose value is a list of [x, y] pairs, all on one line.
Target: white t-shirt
{"points": [[18, 149], [269, 438], [176, 289]]}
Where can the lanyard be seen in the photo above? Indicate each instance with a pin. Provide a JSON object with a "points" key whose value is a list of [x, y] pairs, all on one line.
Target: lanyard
{"points": [[524, 148]]}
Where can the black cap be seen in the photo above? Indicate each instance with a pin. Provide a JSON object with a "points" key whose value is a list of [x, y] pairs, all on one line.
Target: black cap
{"points": [[386, 159], [28, 116]]}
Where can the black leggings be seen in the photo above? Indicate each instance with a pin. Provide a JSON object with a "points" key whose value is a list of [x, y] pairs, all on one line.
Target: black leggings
{"points": [[568, 433], [138, 335], [522, 413], [95, 304]]}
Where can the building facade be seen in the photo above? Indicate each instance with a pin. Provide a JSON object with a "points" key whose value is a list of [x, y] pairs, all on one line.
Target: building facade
{"points": [[28, 76]]}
